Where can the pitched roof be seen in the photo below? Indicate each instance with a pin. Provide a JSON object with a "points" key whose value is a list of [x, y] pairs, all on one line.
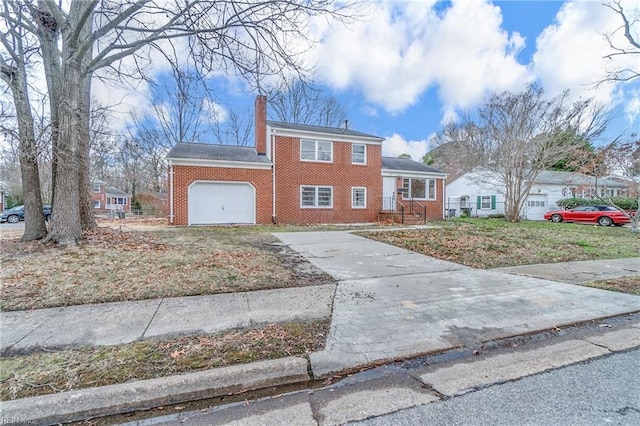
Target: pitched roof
{"points": [[115, 192], [407, 164], [573, 178], [321, 129], [205, 151]]}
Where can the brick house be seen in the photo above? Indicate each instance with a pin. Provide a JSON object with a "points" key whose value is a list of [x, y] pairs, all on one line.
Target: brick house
{"points": [[107, 199], [298, 174]]}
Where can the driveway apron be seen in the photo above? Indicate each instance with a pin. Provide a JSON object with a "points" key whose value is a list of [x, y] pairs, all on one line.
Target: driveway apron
{"points": [[392, 303]]}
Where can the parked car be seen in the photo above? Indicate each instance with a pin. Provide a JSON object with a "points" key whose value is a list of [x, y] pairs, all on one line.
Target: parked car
{"points": [[16, 214], [602, 215]]}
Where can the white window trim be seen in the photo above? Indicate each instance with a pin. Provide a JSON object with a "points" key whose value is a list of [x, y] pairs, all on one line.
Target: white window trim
{"points": [[315, 160], [426, 188], [96, 204], [353, 189], [364, 163], [316, 188], [482, 207]]}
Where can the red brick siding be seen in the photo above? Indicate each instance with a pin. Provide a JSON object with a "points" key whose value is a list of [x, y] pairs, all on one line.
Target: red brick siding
{"points": [[261, 124], [291, 173], [185, 175]]}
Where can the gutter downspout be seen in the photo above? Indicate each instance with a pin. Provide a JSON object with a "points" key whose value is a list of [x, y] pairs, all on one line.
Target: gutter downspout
{"points": [[171, 192], [444, 193], [273, 177]]}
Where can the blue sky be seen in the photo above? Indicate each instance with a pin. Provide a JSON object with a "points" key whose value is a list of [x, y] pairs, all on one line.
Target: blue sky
{"points": [[413, 65]]}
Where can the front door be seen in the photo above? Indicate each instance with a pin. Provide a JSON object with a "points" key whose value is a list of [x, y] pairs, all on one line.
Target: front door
{"points": [[389, 193]]}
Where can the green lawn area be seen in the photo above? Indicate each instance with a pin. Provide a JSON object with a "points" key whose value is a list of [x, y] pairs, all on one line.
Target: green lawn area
{"points": [[493, 243]]}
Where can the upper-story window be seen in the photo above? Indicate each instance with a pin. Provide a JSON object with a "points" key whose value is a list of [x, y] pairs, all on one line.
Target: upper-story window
{"points": [[96, 188], [358, 153], [311, 150]]}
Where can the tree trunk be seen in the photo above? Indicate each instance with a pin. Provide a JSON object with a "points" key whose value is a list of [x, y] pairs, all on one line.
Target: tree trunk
{"points": [[34, 224], [66, 227], [87, 217]]}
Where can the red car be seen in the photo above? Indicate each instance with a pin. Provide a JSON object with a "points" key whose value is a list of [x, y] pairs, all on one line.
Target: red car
{"points": [[602, 215]]}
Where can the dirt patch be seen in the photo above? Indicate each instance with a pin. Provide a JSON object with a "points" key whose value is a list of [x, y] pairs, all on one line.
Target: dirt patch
{"points": [[51, 372], [119, 264]]}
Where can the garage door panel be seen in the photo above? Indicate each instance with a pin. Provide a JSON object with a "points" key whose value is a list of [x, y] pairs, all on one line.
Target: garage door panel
{"points": [[536, 206], [221, 202]]}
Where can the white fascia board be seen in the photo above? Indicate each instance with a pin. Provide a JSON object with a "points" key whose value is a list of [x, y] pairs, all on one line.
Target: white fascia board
{"points": [[220, 163], [414, 174], [331, 137]]}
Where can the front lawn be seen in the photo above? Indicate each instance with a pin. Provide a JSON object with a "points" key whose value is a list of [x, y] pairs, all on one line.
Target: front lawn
{"points": [[49, 372], [493, 243], [118, 264]]}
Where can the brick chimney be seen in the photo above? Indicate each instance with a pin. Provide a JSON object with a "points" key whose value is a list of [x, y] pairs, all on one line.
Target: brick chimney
{"points": [[261, 124]]}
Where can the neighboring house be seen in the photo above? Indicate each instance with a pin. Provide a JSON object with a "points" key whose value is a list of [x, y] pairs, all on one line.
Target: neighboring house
{"points": [[631, 187], [107, 199], [295, 174], [481, 193]]}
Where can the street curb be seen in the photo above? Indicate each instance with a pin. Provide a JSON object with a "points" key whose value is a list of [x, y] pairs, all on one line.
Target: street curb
{"points": [[144, 394]]}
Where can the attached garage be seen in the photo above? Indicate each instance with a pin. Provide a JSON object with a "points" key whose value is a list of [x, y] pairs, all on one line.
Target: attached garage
{"points": [[214, 202], [536, 206]]}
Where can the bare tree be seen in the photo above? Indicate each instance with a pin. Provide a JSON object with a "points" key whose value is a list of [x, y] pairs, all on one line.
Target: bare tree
{"points": [[624, 158], [303, 103], [252, 40], [516, 134], [629, 20], [459, 148], [234, 128], [17, 46]]}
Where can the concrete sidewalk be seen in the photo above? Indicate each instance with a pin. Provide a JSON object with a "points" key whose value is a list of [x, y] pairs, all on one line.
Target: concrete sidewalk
{"points": [[393, 303], [579, 272], [390, 303], [125, 322]]}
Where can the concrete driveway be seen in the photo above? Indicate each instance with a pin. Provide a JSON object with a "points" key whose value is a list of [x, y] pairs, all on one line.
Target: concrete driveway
{"points": [[393, 303]]}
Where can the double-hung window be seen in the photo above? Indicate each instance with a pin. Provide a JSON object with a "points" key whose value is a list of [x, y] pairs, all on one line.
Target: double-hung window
{"points": [[358, 198], [421, 189], [311, 150], [316, 196], [486, 202], [358, 153]]}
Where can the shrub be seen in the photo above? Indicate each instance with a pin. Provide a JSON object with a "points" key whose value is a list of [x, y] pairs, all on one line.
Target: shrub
{"points": [[625, 203]]}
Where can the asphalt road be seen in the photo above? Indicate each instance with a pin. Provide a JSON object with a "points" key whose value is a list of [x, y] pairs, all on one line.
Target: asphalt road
{"points": [[603, 391], [12, 226]]}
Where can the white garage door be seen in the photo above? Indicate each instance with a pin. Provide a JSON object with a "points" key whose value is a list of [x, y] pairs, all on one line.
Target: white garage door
{"points": [[536, 206], [221, 202]]}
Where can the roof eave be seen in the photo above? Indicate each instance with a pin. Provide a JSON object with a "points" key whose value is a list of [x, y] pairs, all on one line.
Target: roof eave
{"points": [[219, 163]]}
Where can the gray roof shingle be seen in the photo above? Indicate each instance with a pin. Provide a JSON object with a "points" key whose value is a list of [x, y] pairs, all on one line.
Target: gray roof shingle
{"points": [[571, 178], [394, 163], [204, 151], [321, 129]]}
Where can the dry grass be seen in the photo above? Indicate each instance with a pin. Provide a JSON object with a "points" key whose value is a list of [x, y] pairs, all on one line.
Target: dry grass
{"points": [[51, 372], [492, 243], [629, 285], [128, 264]]}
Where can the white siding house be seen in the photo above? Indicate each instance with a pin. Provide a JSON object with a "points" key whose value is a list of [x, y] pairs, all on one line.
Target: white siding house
{"points": [[480, 192]]}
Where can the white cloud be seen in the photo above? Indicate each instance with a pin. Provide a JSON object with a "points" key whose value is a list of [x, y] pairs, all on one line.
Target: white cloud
{"points": [[396, 145], [632, 108], [214, 112], [406, 47], [570, 53]]}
